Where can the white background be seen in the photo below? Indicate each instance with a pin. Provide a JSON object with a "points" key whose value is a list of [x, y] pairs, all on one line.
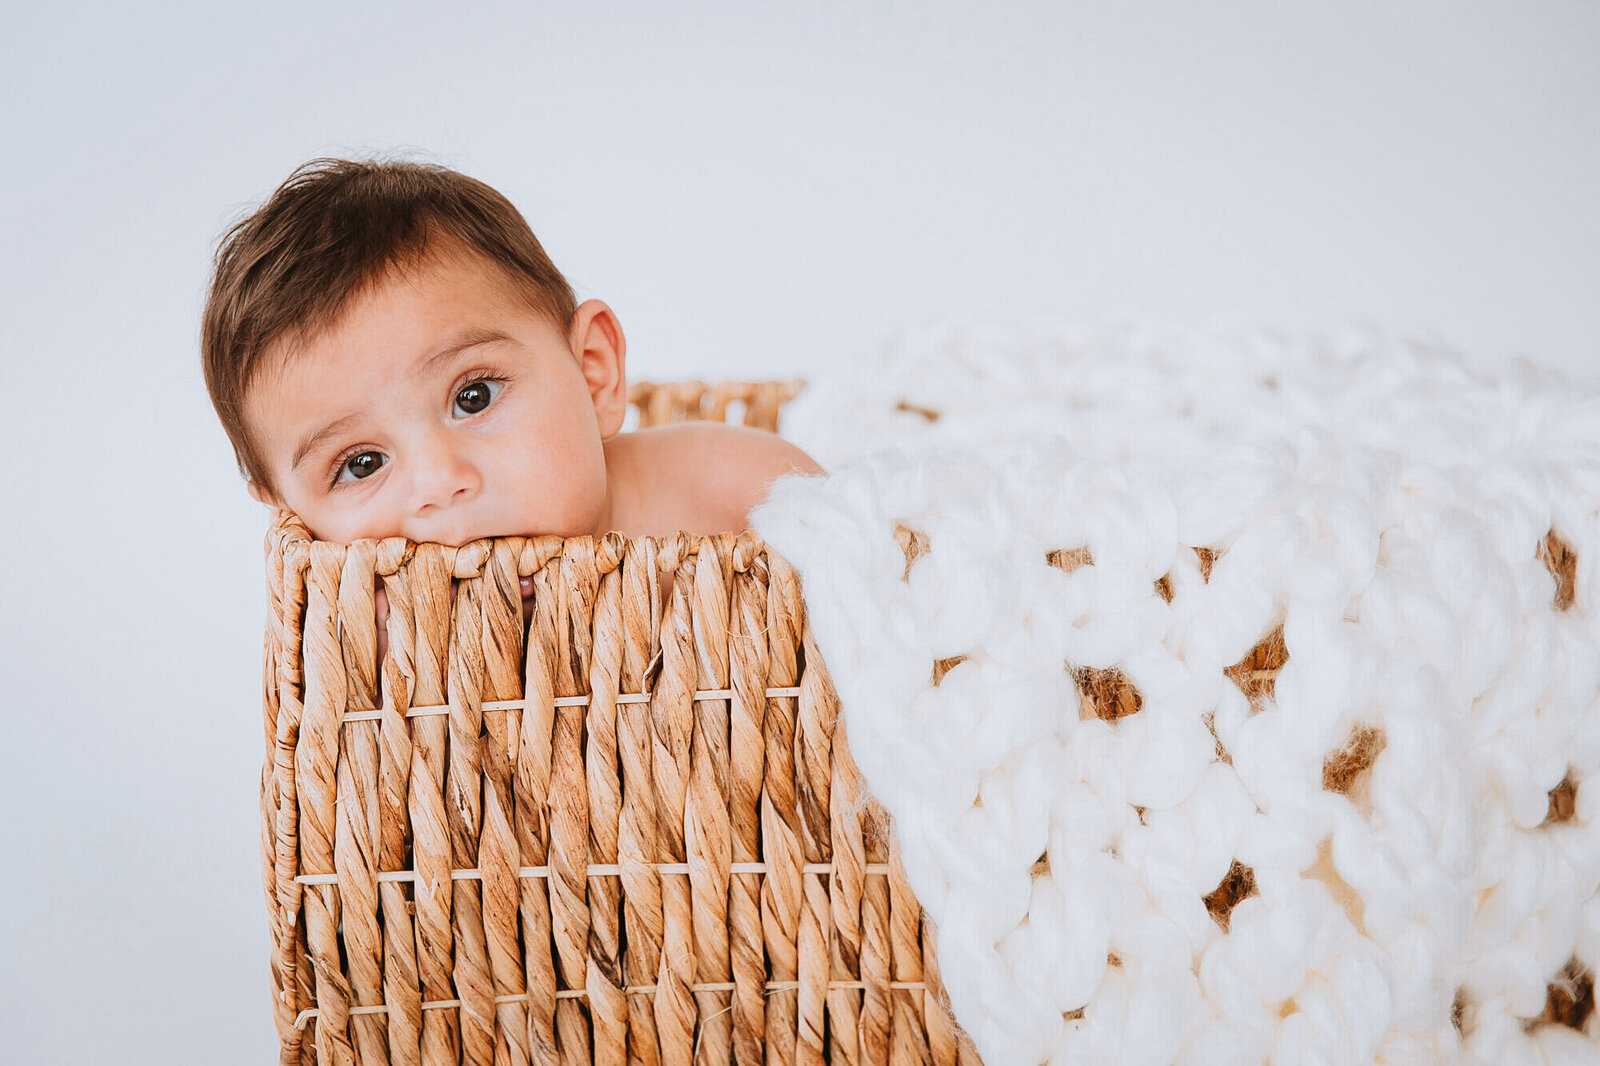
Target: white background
{"points": [[757, 193]]}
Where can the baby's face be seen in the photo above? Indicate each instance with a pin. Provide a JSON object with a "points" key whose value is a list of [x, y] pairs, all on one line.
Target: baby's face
{"points": [[442, 407]]}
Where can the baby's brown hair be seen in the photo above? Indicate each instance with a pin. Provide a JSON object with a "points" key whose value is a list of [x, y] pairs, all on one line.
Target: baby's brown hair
{"points": [[331, 230]]}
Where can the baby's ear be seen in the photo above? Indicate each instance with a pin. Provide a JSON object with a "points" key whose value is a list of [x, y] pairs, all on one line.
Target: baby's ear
{"points": [[259, 493], [602, 354]]}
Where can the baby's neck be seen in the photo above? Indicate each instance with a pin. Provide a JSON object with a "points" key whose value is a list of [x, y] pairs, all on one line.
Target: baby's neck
{"points": [[645, 496], [619, 510]]}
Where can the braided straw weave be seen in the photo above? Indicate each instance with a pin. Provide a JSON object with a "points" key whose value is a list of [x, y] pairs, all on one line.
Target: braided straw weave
{"points": [[634, 837]]}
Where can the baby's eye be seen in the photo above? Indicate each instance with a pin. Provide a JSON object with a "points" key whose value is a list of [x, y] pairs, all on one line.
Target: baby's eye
{"points": [[360, 466], [475, 397]]}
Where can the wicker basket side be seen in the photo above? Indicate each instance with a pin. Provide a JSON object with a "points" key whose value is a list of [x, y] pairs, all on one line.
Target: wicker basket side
{"points": [[750, 403], [615, 825], [644, 840]]}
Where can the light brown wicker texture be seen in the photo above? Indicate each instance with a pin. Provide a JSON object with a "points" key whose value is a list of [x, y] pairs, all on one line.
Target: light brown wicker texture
{"points": [[640, 840]]}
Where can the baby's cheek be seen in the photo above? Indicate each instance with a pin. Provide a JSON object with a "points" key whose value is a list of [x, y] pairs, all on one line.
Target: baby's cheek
{"points": [[563, 494]]}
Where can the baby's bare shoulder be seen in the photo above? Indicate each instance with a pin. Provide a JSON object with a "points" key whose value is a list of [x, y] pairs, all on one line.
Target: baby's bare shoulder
{"points": [[716, 472], [731, 447]]}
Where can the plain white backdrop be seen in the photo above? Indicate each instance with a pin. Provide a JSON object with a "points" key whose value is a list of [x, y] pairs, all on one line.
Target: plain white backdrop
{"points": [[758, 192]]}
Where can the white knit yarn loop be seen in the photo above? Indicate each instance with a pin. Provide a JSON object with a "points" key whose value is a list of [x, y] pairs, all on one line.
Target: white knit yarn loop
{"points": [[1409, 900]]}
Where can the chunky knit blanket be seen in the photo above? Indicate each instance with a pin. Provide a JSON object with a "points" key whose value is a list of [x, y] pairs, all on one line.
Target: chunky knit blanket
{"points": [[1234, 700]]}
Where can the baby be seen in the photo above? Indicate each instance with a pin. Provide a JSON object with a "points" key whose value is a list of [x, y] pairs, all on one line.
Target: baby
{"points": [[392, 353]]}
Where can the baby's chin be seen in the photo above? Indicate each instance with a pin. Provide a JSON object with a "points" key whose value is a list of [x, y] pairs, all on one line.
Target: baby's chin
{"points": [[453, 534]]}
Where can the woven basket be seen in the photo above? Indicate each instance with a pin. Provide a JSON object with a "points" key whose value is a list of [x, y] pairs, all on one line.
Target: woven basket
{"points": [[632, 834]]}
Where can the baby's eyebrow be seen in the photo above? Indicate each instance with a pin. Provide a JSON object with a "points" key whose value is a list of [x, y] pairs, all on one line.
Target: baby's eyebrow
{"points": [[311, 440], [470, 339]]}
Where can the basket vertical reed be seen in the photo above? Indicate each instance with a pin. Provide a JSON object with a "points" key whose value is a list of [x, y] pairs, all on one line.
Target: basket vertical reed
{"points": [[627, 832]]}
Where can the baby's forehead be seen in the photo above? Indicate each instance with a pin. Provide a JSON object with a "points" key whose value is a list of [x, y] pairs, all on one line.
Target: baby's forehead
{"points": [[445, 272]]}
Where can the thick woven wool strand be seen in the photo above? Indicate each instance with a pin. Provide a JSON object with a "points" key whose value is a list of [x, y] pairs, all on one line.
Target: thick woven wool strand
{"points": [[1233, 700]]}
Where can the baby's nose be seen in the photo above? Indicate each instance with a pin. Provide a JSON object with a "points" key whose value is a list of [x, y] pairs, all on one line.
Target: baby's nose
{"points": [[443, 478]]}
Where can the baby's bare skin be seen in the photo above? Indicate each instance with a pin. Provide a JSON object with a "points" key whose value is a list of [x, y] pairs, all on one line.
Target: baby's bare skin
{"points": [[442, 406]]}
